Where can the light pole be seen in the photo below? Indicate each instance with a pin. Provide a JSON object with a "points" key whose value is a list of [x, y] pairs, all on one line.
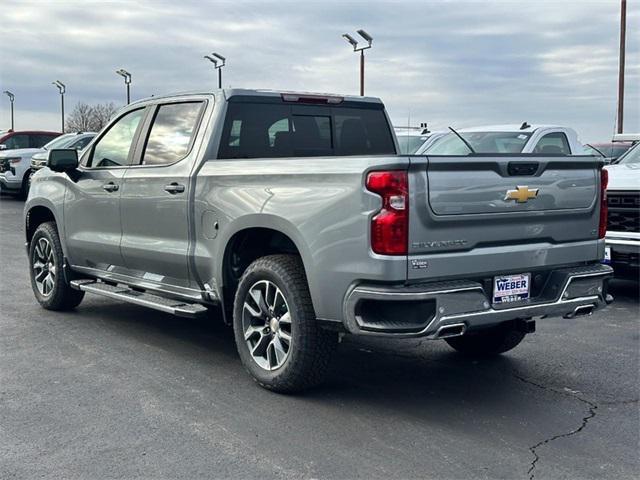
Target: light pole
{"points": [[62, 88], [127, 81], [11, 99], [354, 44], [623, 36], [217, 66]]}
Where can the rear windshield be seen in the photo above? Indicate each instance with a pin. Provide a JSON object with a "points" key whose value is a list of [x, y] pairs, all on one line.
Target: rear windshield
{"points": [[482, 142], [272, 130]]}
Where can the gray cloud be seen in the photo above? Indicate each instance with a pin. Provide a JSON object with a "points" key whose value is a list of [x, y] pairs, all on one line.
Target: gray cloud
{"points": [[445, 62]]}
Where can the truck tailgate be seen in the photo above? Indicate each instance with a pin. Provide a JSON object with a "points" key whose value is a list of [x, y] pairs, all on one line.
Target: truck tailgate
{"points": [[497, 205]]}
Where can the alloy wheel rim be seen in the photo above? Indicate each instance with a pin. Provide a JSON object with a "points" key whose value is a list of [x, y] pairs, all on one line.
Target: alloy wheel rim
{"points": [[266, 325], [44, 267]]}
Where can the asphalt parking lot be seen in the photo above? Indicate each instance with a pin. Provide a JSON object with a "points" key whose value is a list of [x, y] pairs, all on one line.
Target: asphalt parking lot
{"points": [[113, 390]]}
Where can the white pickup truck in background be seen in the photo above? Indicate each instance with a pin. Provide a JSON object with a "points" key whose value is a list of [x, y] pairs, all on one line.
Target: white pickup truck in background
{"points": [[524, 138], [623, 220]]}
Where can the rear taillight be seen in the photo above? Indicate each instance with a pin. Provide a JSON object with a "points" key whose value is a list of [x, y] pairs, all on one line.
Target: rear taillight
{"points": [[604, 208], [390, 226]]}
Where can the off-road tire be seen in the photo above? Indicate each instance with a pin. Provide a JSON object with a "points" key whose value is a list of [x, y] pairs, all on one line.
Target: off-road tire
{"points": [[311, 347], [62, 296], [489, 342]]}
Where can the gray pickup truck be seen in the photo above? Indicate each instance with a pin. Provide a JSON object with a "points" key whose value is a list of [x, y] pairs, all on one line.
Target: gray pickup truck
{"points": [[294, 216]]}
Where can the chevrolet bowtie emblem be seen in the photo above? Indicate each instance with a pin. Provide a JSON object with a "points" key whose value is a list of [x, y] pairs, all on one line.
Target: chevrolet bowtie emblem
{"points": [[521, 194]]}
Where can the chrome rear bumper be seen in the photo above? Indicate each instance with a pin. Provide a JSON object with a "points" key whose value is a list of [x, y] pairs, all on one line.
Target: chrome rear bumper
{"points": [[439, 309]]}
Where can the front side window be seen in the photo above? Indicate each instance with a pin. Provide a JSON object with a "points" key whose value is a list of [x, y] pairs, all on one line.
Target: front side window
{"points": [[553, 144], [112, 150], [171, 133], [17, 141]]}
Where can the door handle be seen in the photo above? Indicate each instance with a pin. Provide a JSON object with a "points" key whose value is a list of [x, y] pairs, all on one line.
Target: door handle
{"points": [[174, 188], [110, 187]]}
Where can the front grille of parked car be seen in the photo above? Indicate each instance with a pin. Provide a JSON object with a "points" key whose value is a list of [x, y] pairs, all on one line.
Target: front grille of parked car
{"points": [[4, 165], [624, 211]]}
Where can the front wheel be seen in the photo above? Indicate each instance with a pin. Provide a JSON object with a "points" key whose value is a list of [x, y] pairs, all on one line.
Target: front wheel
{"points": [[492, 341], [277, 336], [47, 279]]}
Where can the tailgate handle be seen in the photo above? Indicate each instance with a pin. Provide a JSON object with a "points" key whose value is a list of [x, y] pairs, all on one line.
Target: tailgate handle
{"points": [[515, 168]]}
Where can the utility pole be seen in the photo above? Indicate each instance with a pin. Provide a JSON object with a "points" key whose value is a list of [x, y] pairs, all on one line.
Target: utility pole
{"points": [[11, 99], [623, 35], [354, 44]]}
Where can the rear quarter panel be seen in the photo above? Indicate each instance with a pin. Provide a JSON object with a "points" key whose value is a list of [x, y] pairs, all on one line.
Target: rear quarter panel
{"points": [[320, 203]]}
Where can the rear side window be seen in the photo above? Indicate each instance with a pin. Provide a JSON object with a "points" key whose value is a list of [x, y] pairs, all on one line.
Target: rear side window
{"points": [[172, 133], [553, 144], [263, 130], [39, 140]]}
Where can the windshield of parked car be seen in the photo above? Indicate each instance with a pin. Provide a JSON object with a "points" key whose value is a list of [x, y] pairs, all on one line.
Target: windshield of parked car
{"points": [[60, 142], [631, 157], [482, 142], [409, 144]]}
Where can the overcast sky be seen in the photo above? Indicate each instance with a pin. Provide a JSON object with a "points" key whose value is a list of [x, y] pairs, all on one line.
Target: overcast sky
{"points": [[442, 62]]}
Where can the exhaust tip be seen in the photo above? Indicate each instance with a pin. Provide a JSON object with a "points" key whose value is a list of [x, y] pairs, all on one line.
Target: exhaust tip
{"points": [[454, 330], [581, 311]]}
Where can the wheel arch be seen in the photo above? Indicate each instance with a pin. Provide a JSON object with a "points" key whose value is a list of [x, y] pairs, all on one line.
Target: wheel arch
{"points": [[255, 238]]}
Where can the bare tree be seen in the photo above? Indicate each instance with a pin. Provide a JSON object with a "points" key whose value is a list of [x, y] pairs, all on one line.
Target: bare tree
{"points": [[79, 120], [102, 113], [88, 118]]}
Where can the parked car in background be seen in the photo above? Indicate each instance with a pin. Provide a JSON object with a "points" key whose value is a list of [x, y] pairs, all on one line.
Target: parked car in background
{"points": [[13, 140], [77, 141], [525, 138], [294, 214], [433, 138], [15, 165], [411, 140], [623, 226], [609, 151]]}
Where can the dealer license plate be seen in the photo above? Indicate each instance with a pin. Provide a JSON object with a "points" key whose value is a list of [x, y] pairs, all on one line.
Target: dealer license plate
{"points": [[511, 288], [607, 255]]}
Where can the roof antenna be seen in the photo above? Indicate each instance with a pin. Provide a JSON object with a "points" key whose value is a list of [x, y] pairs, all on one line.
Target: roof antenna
{"points": [[524, 126]]}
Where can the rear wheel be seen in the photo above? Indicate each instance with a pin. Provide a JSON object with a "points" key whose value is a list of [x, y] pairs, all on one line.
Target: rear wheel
{"points": [[491, 341], [47, 279], [277, 336]]}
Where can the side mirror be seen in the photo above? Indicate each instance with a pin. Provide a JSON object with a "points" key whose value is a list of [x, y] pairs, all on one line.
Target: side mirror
{"points": [[62, 159], [3, 146]]}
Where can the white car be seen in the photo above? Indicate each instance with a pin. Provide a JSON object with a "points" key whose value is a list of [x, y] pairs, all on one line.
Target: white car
{"points": [[15, 165], [623, 222], [525, 138]]}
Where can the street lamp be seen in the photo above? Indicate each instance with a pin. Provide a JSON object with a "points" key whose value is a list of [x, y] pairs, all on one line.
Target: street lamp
{"points": [[127, 81], [11, 99], [62, 88], [354, 44], [217, 66]]}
